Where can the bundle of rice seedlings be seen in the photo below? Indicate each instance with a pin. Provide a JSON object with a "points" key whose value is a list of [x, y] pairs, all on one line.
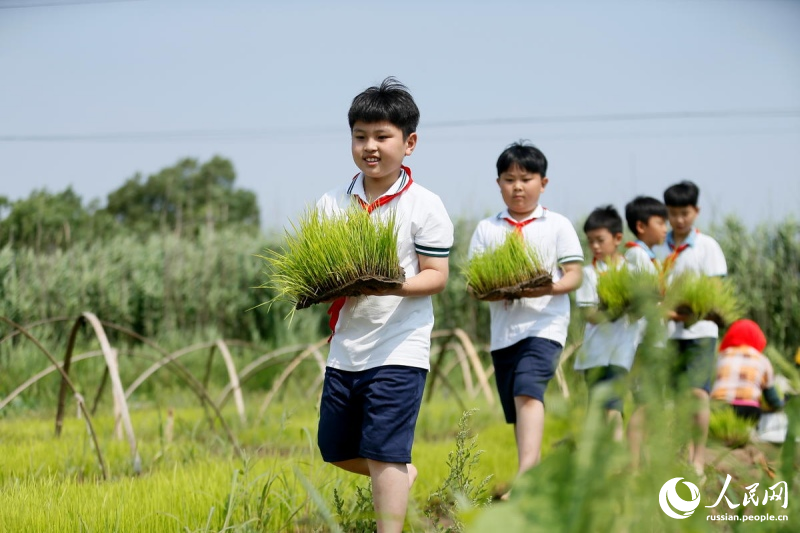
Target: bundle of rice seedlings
{"points": [[623, 291], [703, 298], [726, 427], [504, 272], [329, 256]]}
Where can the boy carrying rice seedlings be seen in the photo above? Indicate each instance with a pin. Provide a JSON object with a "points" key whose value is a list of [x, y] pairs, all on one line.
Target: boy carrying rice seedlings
{"points": [[688, 250], [608, 345], [380, 347], [528, 334], [647, 219]]}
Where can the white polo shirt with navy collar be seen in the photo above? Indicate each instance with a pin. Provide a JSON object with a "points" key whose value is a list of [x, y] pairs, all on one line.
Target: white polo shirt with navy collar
{"points": [[376, 331], [553, 236], [703, 255], [640, 257]]}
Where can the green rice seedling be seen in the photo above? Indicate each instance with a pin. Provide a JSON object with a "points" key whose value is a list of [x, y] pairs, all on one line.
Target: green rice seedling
{"points": [[623, 291], [329, 256], [703, 297], [728, 428], [505, 271]]}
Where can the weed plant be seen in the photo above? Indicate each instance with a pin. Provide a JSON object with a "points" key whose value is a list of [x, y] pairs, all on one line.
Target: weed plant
{"points": [[511, 264], [324, 253]]}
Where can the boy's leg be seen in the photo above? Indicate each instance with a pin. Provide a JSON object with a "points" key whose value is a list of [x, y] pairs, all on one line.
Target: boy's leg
{"points": [[390, 487], [701, 418], [361, 466], [699, 356], [636, 435], [391, 397], [536, 361], [528, 431]]}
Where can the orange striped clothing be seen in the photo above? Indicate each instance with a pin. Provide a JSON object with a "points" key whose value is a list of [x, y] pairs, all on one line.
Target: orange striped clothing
{"points": [[742, 374]]}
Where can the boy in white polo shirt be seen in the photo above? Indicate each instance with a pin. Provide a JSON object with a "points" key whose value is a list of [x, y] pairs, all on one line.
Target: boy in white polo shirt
{"points": [[380, 346], [608, 346], [528, 334], [647, 219], [695, 346]]}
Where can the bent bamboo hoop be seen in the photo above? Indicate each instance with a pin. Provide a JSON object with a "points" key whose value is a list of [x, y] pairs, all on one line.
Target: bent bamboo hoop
{"points": [[43, 374], [66, 381], [287, 371]]}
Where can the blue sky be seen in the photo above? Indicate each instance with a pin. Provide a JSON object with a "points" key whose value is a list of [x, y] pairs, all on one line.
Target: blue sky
{"points": [[93, 93]]}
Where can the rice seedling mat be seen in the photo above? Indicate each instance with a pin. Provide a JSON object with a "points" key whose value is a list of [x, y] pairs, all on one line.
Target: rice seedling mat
{"points": [[356, 287]]}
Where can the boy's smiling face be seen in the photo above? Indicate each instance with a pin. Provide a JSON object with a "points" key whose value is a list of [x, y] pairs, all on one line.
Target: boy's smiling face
{"points": [[379, 148], [521, 190]]}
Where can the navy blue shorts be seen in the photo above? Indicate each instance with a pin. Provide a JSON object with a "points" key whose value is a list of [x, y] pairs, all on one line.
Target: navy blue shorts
{"points": [[370, 414], [611, 376], [524, 369], [695, 363]]}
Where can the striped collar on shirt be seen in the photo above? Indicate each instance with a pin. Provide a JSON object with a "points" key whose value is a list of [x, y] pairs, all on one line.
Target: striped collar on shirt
{"points": [[689, 241], [639, 244], [357, 186], [537, 213]]}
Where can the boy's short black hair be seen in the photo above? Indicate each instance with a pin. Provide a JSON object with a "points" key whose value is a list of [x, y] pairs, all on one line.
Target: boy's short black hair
{"points": [[641, 209], [682, 194], [524, 155], [391, 102], [605, 217]]}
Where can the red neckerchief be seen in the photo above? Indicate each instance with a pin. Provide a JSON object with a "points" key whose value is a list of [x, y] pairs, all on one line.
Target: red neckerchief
{"points": [[519, 225], [338, 303], [671, 258]]}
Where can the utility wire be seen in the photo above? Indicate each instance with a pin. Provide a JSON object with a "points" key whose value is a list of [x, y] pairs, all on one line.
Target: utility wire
{"points": [[25, 5], [256, 133]]}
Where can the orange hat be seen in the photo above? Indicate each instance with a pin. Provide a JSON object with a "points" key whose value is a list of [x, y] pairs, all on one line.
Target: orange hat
{"points": [[744, 333]]}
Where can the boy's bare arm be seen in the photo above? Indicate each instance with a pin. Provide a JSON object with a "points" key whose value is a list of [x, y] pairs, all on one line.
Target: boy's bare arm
{"points": [[432, 278]]}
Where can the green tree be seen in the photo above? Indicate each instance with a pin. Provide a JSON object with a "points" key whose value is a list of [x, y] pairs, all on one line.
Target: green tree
{"points": [[184, 199], [43, 221]]}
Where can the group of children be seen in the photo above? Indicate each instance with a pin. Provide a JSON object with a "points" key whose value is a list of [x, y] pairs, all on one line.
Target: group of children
{"points": [[380, 346]]}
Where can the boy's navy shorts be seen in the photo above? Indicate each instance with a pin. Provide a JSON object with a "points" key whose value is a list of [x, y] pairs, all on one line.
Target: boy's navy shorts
{"points": [[370, 414], [612, 376], [695, 362], [524, 369]]}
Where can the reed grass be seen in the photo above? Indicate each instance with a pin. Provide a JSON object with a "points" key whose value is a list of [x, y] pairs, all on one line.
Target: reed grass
{"points": [[324, 252], [510, 264]]}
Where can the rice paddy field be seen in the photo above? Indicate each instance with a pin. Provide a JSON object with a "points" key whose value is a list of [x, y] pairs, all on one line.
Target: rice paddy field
{"points": [[224, 431]]}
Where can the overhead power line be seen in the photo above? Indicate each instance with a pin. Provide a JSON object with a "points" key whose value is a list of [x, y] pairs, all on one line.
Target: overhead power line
{"points": [[16, 4], [257, 133]]}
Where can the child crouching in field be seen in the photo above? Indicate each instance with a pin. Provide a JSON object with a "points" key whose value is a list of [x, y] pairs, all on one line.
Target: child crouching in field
{"points": [[380, 347], [608, 346], [528, 334]]}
